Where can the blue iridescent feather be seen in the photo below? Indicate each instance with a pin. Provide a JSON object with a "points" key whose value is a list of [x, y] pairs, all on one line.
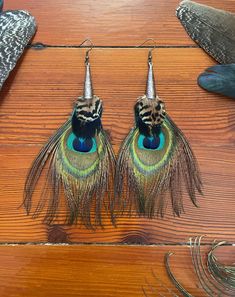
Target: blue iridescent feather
{"points": [[219, 79]]}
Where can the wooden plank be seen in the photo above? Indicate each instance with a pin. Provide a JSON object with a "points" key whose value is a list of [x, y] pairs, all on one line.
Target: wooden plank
{"points": [[47, 83], [109, 22], [95, 270], [216, 165], [38, 97]]}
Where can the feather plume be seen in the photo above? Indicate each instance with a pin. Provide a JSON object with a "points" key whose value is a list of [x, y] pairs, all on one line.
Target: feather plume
{"points": [[213, 29], [17, 28], [81, 162], [155, 158], [219, 79]]}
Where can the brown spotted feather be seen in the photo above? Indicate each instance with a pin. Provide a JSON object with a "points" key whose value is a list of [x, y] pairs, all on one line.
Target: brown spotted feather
{"points": [[88, 110], [152, 112]]}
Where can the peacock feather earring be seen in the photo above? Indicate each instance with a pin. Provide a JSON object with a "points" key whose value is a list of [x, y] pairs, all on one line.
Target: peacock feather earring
{"points": [[81, 162], [155, 158]]}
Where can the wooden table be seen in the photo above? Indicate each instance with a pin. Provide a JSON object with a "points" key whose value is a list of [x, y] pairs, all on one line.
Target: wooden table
{"points": [[59, 260]]}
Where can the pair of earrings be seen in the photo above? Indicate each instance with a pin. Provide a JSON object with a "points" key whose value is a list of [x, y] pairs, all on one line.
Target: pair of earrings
{"points": [[154, 159]]}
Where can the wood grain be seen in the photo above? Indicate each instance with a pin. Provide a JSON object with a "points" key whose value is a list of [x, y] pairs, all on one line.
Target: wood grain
{"points": [[95, 270], [38, 98], [39, 95], [106, 22]]}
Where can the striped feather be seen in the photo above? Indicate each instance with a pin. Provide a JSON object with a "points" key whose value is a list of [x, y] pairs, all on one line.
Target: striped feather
{"points": [[16, 29], [213, 29]]}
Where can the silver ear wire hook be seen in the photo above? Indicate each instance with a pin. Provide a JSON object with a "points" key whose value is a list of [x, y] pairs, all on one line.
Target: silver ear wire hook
{"points": [[150, 85], [152, 49], [88, 90], [90, 49]]}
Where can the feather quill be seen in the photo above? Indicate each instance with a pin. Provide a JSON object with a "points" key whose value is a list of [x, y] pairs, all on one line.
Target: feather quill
{"points": [[216, 278], [211, 279], [223, 274]]}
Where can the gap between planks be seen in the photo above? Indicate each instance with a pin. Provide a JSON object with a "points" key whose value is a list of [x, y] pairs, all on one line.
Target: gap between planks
{"points": [[181, 244], [40, 45]]}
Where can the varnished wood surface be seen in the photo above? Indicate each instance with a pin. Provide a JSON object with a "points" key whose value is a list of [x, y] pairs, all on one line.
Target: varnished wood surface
{"points": [[122, 22], [39, 97], [96, 270]]}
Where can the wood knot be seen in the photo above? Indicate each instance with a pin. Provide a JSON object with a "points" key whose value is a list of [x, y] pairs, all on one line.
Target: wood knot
{"points": [[56, 234], [135, 238]]}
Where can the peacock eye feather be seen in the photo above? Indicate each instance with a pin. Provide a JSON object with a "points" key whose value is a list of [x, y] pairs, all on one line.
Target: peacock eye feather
{"points": [[155, 142], [81, 145]]}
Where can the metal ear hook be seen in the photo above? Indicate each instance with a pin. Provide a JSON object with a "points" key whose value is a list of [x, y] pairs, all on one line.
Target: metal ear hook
{"points": [[150, 91], [87, 52], [87, 90], [155, 44], [152, 49]]}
